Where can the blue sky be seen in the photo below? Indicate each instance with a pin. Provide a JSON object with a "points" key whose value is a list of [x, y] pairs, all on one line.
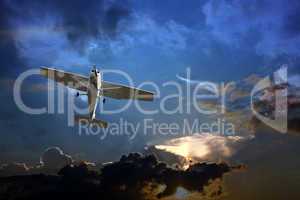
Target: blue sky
{"points": [[220, 40]]}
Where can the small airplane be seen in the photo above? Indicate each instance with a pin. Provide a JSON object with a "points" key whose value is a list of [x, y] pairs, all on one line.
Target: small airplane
{"points": [[94, 87]]}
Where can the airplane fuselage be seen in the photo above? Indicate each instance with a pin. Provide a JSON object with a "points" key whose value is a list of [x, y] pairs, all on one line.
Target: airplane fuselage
{"points": [[93, 92]]}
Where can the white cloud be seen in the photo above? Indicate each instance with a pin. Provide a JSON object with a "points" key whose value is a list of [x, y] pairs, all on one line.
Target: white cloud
{"points": [[204, 146]]}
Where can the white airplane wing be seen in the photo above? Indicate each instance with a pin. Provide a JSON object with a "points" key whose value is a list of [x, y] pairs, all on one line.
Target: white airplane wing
{"points": [[118, 91], [74, 81]]}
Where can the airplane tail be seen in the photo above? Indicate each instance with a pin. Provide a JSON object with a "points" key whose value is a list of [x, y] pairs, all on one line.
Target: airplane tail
{"points": [[86, 119]]}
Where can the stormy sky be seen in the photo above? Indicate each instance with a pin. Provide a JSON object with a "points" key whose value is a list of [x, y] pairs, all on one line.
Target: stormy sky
{"points": [[220, 40], [151, 40]]}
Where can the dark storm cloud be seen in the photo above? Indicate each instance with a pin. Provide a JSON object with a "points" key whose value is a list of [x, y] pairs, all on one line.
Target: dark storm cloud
{"points": [[134, 176], [52, 160], [8, 50], [275, 22], [79, 20], [13, 169], [144, 170], [82, 20]]}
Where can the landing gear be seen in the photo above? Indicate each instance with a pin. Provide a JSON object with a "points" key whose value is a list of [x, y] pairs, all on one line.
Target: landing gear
{"points": [[78, 94], [103, 100]]}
